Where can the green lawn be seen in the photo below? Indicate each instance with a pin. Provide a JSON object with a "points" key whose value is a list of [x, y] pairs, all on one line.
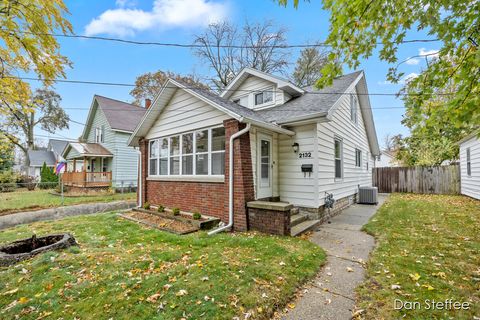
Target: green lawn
{"points": [[122, 270], [23, 199], [428, 247]]}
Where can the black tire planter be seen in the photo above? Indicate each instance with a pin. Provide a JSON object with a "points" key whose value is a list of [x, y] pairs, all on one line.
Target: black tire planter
{"points": [[20, 250]]}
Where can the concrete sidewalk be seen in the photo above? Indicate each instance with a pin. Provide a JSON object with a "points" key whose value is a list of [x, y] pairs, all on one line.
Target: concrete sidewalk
{"points": [[332, 293]]}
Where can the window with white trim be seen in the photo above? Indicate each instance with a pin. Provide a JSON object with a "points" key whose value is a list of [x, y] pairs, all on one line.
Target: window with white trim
{"points": [[153, 163], [353, 108], [358, 158], [469, 163], [200, 152], [263, 97], [338, 158]]}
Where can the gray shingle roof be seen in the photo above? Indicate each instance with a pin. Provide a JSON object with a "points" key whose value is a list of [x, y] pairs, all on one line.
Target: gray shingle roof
{"points": [[224, 103], [314, 101], [120, 115], [58, 145], [38, 157]]}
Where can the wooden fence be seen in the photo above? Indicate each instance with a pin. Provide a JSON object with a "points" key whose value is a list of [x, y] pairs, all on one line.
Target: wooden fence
{"points": [[428, 180]]}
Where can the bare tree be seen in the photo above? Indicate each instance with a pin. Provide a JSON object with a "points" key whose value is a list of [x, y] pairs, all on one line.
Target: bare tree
{"points": [[226, 50], [308, 66], [41, 110]]}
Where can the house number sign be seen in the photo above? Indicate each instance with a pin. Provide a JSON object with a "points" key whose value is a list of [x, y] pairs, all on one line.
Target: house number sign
{"points": [[302, 155]]}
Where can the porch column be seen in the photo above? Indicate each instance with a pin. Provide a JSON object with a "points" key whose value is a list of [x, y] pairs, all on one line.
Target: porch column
{"points": [[84, 171]]}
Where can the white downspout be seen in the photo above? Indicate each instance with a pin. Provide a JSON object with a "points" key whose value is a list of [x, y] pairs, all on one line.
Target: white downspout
{"points": [[230, 181], [140, 179]]}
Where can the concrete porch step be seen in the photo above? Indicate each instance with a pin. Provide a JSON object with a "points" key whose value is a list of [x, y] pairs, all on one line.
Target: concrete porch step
{"points": [[303, 227], [296, 219]]}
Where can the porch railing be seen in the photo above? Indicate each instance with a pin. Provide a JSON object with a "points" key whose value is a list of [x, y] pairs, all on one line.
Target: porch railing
{"points": [[87, 179]]}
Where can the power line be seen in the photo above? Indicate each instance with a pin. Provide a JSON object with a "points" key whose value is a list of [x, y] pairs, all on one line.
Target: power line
{"points": [[193, 45], [233, 90]]}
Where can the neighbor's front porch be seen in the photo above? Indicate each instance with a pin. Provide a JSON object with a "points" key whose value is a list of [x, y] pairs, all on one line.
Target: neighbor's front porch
{"points": [[89, 166]]}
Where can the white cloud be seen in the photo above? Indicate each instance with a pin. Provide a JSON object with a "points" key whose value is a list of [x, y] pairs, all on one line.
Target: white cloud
{"points": [[412, 61], [429, 53], [165, 14], [125, 3], [408, 77], [405, 79]]}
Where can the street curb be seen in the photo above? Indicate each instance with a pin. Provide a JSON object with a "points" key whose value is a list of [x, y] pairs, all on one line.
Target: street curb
{"points": [[18, 218]]}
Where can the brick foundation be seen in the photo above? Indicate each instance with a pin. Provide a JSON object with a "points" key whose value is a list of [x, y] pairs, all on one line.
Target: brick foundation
{"points": [[323, 214], [270, 220], [210, 198]]}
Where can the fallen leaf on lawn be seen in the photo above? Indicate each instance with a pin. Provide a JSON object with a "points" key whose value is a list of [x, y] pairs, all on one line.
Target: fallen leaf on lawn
{"points": [[429, 287], [166, 287], [291, 305], [395, 287], [181, 293], [10, 292], [206, 298], [154, 297], [23, 300], [349, 269], [205, 279], [329, 274], [328, 301], [414, 277], [282, 263]]}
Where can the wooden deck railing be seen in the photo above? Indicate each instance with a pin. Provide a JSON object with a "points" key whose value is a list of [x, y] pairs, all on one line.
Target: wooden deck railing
{"points": [[87, 179]]}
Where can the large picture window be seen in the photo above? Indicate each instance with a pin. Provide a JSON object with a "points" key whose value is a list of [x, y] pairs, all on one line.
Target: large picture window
{"points": [[201, 152]]}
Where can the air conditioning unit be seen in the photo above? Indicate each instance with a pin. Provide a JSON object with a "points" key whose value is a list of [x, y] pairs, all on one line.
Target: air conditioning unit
{"points": [[367, 195]]}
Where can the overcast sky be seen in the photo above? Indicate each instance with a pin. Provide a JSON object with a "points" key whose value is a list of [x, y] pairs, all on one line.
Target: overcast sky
{"points": [[178, 21]]}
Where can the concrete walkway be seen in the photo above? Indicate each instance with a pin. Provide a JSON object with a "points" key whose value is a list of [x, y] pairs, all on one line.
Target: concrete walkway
{"points": [[332, 293]]}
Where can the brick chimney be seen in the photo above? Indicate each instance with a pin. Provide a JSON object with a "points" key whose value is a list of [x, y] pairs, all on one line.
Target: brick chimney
{"points": [[148, 103]]}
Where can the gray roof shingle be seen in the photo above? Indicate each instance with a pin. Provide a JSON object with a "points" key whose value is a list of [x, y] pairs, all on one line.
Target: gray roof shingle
{"points": [[314, 101], [120, 115], [38, 157], [58, 145]]}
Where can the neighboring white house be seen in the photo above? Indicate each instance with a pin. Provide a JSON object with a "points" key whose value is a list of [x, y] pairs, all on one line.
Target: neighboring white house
{"points": [[470, 165], [301, 144], [102, 157], [385, 159]]}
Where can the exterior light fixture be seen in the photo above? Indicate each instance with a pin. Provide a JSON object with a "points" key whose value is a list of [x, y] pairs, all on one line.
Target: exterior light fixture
{"points": [[295, 147]]}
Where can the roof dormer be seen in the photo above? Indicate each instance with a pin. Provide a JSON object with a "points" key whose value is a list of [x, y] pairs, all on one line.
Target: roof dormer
{"points": [[258, 90]]}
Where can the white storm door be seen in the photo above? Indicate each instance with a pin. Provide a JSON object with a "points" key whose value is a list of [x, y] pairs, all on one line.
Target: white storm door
{"points": [[264, 166]]}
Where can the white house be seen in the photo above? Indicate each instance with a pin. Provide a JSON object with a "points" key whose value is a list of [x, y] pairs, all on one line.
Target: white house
{"points": [[385, 159], [470, 165], [292, 144]]}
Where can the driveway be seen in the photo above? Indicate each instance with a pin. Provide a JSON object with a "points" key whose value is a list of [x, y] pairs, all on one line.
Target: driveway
{"points": [[332, 294]]}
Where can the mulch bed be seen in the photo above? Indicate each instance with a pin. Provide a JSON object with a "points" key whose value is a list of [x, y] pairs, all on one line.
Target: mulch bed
{"points": [[161, 223]]}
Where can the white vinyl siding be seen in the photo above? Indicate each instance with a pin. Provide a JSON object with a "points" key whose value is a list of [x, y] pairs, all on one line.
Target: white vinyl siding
{"points": [[353, 137], [185, 113], [124, 164], [253, 85], [470, 184], [294, 186]]}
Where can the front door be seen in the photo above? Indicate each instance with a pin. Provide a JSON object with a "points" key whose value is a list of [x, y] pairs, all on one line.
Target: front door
{"points": [[264, 166]]}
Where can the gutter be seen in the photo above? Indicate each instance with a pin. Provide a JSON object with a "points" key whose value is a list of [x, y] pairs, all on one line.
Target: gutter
{"points": [[263, 125], [230, 181], [140, 179]]}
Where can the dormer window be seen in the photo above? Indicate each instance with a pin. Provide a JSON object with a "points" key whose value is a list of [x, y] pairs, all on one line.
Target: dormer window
{"points": [[264, 97]]}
